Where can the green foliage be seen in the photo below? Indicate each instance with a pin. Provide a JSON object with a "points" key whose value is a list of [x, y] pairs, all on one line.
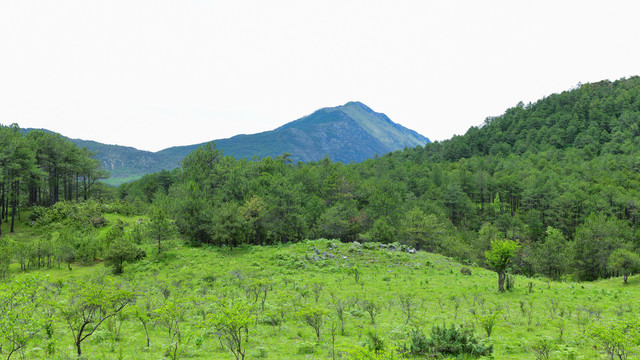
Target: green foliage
{"points": [[315, 316], [499, 258], [552, 256], [595, 241], [121, 251], [542, 348], [488, 321], [452, 341], [617, 338], [21, 317], [229, 227], [232, 321], [382, 232], [625, 262], [90, 303], [76, 215], [366, 353], [160, 228]]}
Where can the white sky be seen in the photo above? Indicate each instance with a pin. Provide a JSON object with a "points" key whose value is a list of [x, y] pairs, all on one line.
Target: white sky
{"points": [[154, 74]]}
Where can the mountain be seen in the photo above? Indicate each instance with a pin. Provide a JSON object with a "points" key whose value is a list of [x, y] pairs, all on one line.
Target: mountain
{"points": [[348, 133], [351, 132]]}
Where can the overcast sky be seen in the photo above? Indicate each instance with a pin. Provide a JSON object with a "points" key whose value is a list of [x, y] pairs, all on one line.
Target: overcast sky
{"points": [[154, 74]]}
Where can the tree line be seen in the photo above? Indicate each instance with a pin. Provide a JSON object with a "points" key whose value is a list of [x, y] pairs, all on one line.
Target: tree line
{"points": [[42, 168]]}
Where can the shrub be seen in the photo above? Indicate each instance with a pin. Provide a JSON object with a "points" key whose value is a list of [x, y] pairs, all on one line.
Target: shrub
{"points": [[374, 342], [419, 343], [453, 341]]}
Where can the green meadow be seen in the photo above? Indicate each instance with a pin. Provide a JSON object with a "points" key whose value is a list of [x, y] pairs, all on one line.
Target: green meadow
{"points": [[370, 301]]}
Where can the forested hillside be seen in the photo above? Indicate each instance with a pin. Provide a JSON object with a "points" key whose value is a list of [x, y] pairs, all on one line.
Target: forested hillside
{"points": [[560, 176]]}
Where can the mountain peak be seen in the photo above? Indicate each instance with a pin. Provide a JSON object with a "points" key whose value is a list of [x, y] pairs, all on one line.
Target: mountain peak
{"points": [[357, 104]]}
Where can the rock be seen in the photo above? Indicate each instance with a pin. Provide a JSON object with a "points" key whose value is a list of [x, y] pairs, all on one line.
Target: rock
{"points": [[331, 256], [411, 251]]}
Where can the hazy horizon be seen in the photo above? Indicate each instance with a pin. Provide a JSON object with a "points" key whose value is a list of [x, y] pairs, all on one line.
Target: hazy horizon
{"points": [[153, 75]]}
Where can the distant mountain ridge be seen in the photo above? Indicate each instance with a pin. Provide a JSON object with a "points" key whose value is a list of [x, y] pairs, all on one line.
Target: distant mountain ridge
{"points": [[349, 133]]}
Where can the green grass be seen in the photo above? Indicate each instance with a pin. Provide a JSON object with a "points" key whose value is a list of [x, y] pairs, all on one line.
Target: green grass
{"points": [[534, 309]]}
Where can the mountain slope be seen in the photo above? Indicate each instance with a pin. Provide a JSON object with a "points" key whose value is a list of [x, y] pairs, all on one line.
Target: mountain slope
{"points": [[348, 133]]}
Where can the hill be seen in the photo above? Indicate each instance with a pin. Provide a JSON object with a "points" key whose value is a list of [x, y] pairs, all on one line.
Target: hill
{"points": [[348, 133], [596, 118]]}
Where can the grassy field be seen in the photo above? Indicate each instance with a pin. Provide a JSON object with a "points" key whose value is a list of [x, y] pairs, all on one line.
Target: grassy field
{"points": [[403, 291]]}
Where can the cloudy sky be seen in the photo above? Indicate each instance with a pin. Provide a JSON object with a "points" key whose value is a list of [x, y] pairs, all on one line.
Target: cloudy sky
{"points": [[154, 74]]}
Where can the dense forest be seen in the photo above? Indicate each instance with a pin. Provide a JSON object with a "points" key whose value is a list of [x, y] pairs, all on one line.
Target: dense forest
{"points": [[42, 168], [561, 176]]}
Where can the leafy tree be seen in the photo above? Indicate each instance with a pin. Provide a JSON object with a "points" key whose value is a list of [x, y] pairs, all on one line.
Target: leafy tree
{"points": [[617, 338], [382, 232], [338, 222], [21, 318], [551, 257], [314, 316], [229, 227], [160, 227], [285, 214], [233, 320], [253, 212], [192, 212], [625, 262], [499, 258], [594, 242], [422, 231], [171, 314], [120, 251], [90, 302]]}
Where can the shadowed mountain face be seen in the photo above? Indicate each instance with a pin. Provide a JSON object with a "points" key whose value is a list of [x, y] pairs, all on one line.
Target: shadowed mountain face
{"points": [[348, 133]]}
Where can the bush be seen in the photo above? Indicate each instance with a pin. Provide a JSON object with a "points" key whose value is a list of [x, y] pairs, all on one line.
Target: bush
{"points": [[453, 341], [419, 343]]}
